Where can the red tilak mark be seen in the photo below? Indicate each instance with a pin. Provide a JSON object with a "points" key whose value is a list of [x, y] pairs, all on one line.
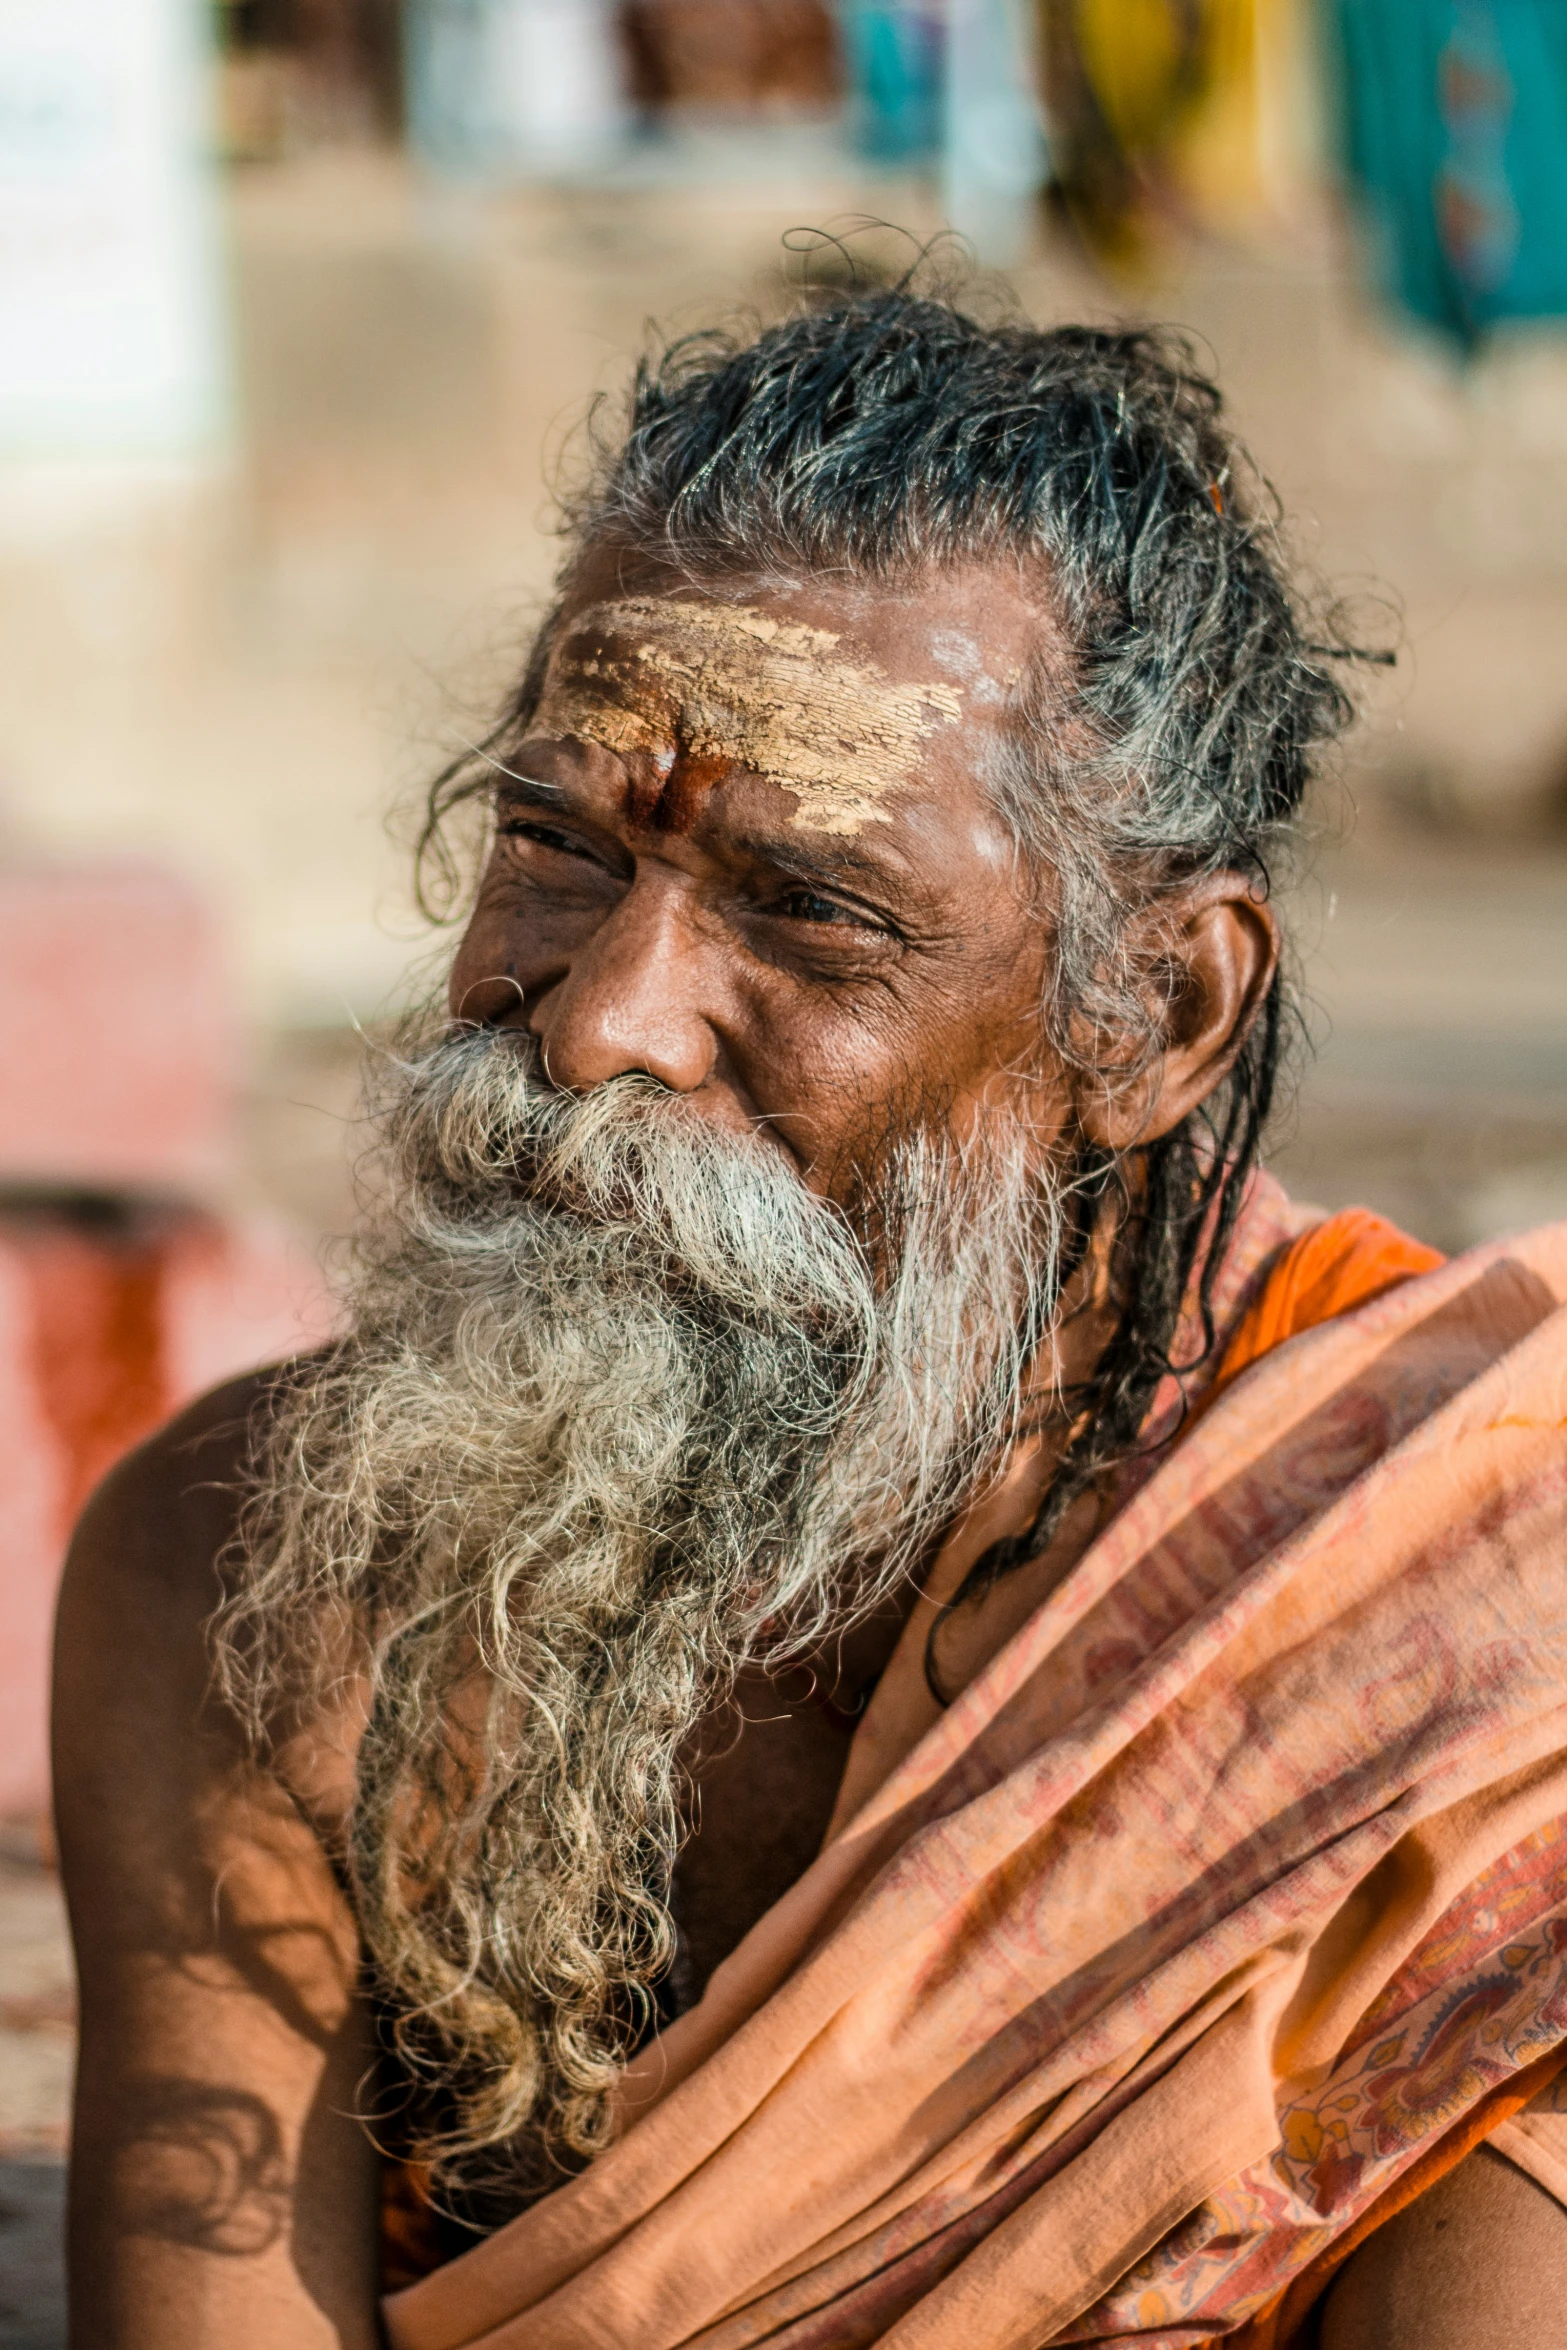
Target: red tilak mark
{"points": [[672, 801]]}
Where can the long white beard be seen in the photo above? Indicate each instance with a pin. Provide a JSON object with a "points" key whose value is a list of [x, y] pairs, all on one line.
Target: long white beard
{"points": [[624, 1409]]}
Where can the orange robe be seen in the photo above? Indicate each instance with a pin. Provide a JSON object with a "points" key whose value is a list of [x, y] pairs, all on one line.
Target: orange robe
{"points": [[1225, 1904]]}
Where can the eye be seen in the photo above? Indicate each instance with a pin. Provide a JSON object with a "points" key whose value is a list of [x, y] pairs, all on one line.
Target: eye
{"points": [[547, 836], [803, 905]]}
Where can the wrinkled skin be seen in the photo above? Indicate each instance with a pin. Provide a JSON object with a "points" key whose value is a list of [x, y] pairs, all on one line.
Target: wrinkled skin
{"points": [[811, 968], [642, 910]]}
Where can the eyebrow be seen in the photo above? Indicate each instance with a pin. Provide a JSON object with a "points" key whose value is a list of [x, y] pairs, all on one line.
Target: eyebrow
{"points": [[532, 790], [829, 864]]}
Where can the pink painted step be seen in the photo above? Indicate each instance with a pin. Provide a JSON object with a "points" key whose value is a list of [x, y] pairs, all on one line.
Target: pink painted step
{"points": [[118, 1041]]}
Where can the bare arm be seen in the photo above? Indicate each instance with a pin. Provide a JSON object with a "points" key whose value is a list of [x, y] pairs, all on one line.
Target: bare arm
{"points": [[1479, 2262], [222, 2195]]}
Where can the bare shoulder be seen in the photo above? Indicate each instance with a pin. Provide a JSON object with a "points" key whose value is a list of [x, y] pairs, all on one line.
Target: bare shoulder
{"points": [[135, 1722], [221, 2189], [1479, 2262], [133, 1712], [159, 1520], [152, 1531]]}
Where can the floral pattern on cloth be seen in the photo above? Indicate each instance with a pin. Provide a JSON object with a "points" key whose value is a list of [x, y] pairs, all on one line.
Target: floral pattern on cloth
{"points": [[1423, 2055]]}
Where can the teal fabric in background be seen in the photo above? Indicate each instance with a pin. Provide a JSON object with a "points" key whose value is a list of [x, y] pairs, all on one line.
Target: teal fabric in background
{"points": [[894, 53], [1454, 127]]}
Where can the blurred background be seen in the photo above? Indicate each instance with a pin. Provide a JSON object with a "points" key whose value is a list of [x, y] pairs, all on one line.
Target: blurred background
{"points": [[300, 303]]}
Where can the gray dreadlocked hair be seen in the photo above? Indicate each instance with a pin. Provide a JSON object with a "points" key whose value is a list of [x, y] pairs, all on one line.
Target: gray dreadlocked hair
{"points": [[889, 434]]}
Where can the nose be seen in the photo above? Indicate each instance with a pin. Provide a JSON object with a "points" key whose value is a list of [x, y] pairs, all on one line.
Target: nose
{"points": [[632, 997]]}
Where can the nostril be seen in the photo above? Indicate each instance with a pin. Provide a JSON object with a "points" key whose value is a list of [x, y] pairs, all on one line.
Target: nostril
{"points": [[487, 1002]]}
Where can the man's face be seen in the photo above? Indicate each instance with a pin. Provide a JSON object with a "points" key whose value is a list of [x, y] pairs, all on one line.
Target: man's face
{"points": [[746, 848]]}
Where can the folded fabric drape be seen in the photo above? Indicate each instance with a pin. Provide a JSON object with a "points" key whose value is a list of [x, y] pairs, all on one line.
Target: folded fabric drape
{"points": [[1220, 1898]]}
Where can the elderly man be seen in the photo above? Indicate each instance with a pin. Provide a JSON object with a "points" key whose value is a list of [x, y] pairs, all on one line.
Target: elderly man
{"points": [[874, 1699]]}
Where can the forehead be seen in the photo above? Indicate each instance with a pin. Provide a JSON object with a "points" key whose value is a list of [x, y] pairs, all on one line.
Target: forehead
{"points": [[846, 694]]}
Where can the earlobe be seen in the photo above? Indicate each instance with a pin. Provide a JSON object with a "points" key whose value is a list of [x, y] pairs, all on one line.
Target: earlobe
{"points": [[1218, 949]]}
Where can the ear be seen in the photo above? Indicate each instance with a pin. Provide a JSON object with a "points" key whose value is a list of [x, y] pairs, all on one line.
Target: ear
{"points": [[1219, 946]]}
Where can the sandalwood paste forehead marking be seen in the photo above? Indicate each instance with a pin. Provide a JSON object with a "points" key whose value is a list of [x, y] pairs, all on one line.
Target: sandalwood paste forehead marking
{"points": [[745, 689]]}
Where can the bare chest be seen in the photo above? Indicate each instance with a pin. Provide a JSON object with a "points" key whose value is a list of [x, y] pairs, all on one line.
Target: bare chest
{"points": [[764, 1784]]}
